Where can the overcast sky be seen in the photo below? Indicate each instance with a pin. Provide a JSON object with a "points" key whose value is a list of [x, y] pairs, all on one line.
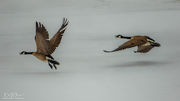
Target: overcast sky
{"points": [[32, 6]]}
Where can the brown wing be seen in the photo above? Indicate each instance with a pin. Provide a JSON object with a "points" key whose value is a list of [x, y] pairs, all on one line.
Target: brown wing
{"points": [[129, 44], [56, 39], [145, 48], [41, 39]]}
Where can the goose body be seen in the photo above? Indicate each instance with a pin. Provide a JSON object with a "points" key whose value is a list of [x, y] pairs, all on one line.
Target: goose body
{"points": [[40, 56], [46, 47], [144, 43]]}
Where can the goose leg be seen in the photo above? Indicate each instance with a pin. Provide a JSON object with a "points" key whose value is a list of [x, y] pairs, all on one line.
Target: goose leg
{"points": [[50, 65], [53, 62], [49, 56], [55, 66]]}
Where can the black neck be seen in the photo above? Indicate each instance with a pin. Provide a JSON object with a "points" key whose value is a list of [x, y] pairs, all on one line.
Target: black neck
{"points": [[28, 52], [125, 37]]}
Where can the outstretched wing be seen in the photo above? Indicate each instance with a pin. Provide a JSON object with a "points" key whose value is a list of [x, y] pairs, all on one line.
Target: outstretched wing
{"points": [[129, 44], [145, 48], [41, 39], [56, 39]]}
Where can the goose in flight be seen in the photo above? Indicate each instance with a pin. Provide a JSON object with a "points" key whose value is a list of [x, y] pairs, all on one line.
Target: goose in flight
{"points": [[144, 44], [46, 47]]}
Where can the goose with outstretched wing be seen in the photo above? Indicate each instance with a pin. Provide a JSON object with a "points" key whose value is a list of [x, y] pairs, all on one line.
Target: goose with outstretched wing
{"points": [[144, 44], [46, 47]]}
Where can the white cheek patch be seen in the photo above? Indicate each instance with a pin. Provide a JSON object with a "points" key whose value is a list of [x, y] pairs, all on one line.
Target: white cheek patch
{"points": [[119, 37]]}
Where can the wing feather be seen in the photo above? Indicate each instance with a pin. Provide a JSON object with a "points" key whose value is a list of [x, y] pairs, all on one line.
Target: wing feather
{"points": [[41, 38], [56, 39], [129, 44]]}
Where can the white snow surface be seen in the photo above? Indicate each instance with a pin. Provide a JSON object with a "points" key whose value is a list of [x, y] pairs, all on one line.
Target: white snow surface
{"points": [[86, 73]]}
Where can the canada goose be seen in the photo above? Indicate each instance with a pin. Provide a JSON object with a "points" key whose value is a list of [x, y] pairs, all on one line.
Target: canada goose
{"points": [[144, 43], [46, 47]]}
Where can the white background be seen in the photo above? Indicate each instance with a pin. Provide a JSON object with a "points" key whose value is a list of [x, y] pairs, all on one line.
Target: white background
{"points": [[86, 73]]}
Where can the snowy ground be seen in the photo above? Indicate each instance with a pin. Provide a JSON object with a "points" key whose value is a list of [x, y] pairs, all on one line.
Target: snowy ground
{"points": [[87, 73]]}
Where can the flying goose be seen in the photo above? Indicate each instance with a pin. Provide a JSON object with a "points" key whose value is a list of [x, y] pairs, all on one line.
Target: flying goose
{"points": [[46, 47], [144, 43]]}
